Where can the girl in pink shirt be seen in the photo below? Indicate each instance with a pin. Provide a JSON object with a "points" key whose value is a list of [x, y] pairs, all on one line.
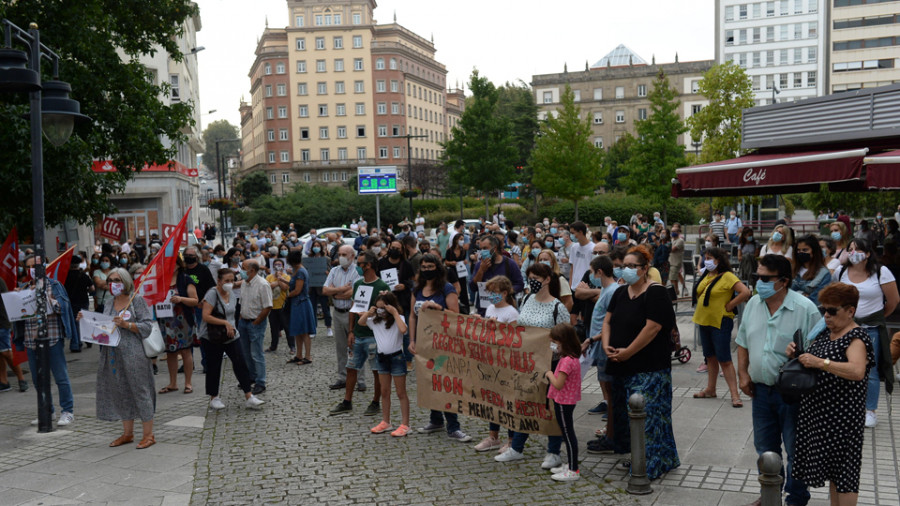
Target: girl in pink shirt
{"points": [[565, 391]]}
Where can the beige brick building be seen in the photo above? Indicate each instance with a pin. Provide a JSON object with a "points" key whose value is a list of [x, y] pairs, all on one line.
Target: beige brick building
{"points": [[613, 92], [864, 39], [355, 89]]}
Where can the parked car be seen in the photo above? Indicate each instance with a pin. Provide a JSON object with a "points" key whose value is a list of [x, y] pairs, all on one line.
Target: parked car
{"points": [[349, 236]]}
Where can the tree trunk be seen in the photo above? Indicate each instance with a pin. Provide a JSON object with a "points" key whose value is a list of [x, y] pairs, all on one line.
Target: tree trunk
{"points": [[535, 203], [576, 209], [665, 214]]}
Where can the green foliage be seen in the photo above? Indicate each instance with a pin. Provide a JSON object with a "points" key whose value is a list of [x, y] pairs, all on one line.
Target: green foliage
{"points": [[566, 163], [481, 153], [615, 162], [657, 152], [217, 131], [116, 92], [253, 186], [620, 207], [515, 102], [853, 203], [719, 123]]}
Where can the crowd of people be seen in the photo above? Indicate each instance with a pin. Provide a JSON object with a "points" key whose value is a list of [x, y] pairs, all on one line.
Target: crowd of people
{"points": [[604, 291]]}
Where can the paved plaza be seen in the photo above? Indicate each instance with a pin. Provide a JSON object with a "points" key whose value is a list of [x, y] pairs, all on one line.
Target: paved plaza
{"points": [[292, 452]]}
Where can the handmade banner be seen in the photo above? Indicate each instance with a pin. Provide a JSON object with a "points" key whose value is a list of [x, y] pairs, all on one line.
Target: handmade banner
{"points": [[98, 328], [317, 267], [9, 259], [20, 305], [477, 367]]}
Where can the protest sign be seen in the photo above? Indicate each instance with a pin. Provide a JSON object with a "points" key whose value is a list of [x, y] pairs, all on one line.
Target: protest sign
{"points": [[461, 270], [361, 299], [477, 367], [98, 328], [317, 267], [391, 277], [20, 305]]}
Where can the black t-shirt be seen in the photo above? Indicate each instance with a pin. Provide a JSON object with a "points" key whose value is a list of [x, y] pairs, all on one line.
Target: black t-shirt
{"points": [[78, 284], [628, 317], [584, 307], [201, 277], [404, 275]]}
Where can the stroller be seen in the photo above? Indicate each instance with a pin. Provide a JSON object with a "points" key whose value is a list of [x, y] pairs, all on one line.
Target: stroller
{"points": [[680, 353]]}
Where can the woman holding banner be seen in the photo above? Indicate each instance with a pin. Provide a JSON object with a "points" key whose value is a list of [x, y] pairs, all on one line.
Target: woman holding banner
{"points": [[125, 388], [178, 327]]}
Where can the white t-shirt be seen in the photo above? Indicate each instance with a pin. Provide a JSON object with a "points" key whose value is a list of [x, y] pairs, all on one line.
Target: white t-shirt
{"points": [[765, 251], [388, 340], [580, 258], [420, 224], [502, 314], [871, 298], [833, 265]]}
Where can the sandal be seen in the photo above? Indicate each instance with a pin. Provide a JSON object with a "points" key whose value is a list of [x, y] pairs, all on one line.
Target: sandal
{"points": [[703, 394], [123, 439], [295, 360], [304, 361], [188, 390], [737, 403], [167, 389], [147, 442]]}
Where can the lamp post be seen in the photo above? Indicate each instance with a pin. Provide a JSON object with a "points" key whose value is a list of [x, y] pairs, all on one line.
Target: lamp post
{"points": [[220, 175], [55, 113], [409, 165]]}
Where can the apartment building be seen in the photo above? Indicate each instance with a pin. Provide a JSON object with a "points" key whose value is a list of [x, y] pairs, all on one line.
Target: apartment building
{"points": [[613, 92], [782, 45], [864, 40], [355, 91]]}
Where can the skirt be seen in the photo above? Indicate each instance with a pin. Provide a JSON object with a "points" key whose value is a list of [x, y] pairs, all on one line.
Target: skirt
{"points": [[302, 319]]}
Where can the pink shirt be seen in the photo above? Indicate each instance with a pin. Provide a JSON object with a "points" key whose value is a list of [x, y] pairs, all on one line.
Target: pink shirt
{"points": [[571, 391]]}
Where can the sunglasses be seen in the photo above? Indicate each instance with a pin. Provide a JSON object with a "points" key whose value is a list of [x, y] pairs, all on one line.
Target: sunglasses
{"points": [[764, 278], [831, 310]]}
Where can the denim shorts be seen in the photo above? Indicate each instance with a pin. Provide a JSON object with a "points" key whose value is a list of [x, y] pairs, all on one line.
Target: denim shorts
{"points": [[393, 365], [4, 340], [364, 348], [716, 342]]}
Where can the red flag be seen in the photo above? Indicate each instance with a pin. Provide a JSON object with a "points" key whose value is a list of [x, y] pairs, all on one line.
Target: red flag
{"points": [[154, 283], [59, 268], [9, 259]]}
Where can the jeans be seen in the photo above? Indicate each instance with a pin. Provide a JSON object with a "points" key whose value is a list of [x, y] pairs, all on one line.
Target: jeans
{"points": [[238, 364], [554, 443], [775, 422], [251, 340], [874, 387], [437, 418], [317, 299], [198, 317], [60, 375]]}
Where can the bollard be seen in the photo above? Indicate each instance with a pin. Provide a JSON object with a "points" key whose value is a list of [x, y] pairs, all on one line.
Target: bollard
{"points": [[770, 479], [638, 483]]}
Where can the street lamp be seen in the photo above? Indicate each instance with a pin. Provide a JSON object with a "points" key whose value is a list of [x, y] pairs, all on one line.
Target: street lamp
{"points": [[55, 113], [409, 165], [221, 182]]}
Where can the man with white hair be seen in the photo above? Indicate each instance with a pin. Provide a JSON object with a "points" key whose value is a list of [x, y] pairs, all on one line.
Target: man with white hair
{"points": [[256, 302]]}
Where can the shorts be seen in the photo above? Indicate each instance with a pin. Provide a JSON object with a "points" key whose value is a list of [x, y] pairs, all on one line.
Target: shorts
{"points": [[364, 348], [598, 354], [4, 340], [393, 364], [716, 342], [675, 270]]}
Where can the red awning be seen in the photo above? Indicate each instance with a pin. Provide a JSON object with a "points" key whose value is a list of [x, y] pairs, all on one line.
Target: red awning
{"points": [[171, 166], [883, 171], [772, 173]]}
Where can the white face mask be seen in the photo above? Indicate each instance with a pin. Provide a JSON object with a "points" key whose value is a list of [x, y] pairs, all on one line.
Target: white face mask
{"points": [[228, 287], [344, 261], [553, 347], [82, 265], [116, 288]]}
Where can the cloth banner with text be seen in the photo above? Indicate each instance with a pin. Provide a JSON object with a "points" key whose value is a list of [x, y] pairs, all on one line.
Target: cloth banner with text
{"points": [[154, 283], [478, 367], [9, 259]]}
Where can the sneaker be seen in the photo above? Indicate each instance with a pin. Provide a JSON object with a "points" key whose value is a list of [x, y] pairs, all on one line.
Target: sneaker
{"points": [[330, 333], [373, 409], [23, 386], [401, 431], [360, 387], [460, 436], [382, 427], [52, 418], [488, 444], [504, 447], [600, 445], [551, 460], [871, 419], [65, 418], [567, 476], [342, 407], [258, 389], [431, 427], [509, 455], [702, 368], [560, 469], [253, 402], [216, 404], [599, 409], [4, 387]]}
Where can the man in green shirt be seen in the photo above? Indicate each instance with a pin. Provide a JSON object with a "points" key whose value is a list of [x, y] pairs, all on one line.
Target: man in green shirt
{"points": [[361, 339]]}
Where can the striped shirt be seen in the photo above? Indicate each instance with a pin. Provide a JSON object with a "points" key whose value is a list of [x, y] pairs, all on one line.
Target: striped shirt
{"points": [[339, 277]]}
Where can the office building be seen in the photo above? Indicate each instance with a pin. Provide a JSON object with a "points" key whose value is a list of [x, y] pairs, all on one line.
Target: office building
{"points": [[865, 35]]}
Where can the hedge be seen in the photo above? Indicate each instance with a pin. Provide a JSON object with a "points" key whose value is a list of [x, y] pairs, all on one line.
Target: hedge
{"points": [[620, 207]]}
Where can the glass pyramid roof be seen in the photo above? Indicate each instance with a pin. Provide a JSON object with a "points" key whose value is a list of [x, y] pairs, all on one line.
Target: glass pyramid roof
{"points": [[621, 56]]}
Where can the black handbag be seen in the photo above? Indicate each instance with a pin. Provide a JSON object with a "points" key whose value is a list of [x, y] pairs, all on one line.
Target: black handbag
{"points": [[794, 379], [217, 334]]}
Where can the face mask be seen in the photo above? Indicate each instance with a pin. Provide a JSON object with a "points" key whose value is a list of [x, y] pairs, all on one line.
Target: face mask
{"points": [[535, 253], [548, 244], [561, 241], [675, 235], [732, 216], [535, 285], [376, 250], [284, 252], [538, 235], [228, 287], [123, 261], [380, 311], [244, 275], [116, 288], [857, 257], [485, 254], [190, 259], [553, 230], [82, 265], [206, 263], [630, 275], [359, 270], [494, 298], [617, 272], [31, 273], [622, 237], [553, 347], [315, 249], [878, 216], [708, 244], [777, 237], [344, 261], [595, 281], [104, 265], [802, 258], [546, 223], [394, 253], [429, 275], [279, 267], [573, 237], [709, 264], [836, 236], [765, 289], [94, 261]]}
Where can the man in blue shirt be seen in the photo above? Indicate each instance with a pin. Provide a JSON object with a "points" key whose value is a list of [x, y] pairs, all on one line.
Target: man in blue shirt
{"points": [[492, 263], [733, 227]]}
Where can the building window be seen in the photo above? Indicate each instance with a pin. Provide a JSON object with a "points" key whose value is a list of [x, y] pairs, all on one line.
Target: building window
{"points": [[783, 8], [338, 64], [270, 135], [301, 44], [770, 34], [174, 90], [340, 110], [285, 176], [360, 109], [271, 157], [304, 134], [359, 87], [620, 92], [361, 153], [729, 13], [548, 97], [357, 18], [304, 155], [339, 87], [783, 32], [755, 83], [360, 131], [342, 153], [320, 65], [798, 55], [813, 30], [798, 79], [757, 56], [324, 155], [395, 86], [302, 89], [303, 111], [783, 81], [321, 88], [382, 130], [267, 68], [811, 79], [393, 64], [283, 134], [598, 118], [323, 132], [282, 111], [320, 43], [783, 56], [756, 35], [357, 64], [383, 152], [272, 178], [395, 108], [357, 41], [306, 177], [577, 94], [298, 20], [379, 64], [337, 19], [342, 132], [798, 31], [323, 110], [268, 92], [642, 90], [319, 21], [325, 177], [301, 66], [396, 151], [742, 11], [770, 9], [620, 116], [270, 113], [338, 42], [695, 86], [756, 10], [382, 108], [695, 109], [811, 54], [642, 113], [279, 68], [598, 93], [395, 130], [380, 86], [281, 89], [285, 157]]}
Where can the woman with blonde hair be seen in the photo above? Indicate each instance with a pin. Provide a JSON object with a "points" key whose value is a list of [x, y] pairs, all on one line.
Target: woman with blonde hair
{"points": [[780, 243], [841, 237], [547, 257]]}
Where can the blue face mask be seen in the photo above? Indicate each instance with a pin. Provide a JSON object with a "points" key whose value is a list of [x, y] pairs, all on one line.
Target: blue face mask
{"points": [[595, 281], [765, 289], [824, 253], [284, 252], [485, 254], [836, 236], [547, 263], [777, 237], [206, 264], [123, 261], [617, 272], [630, 275], [573, 237], [622, 236], [359, 270], [316, 249], [494, 298], [548, 244], [244, 275], [553, 230], [561, 241], [605, 240], [104, 265]]}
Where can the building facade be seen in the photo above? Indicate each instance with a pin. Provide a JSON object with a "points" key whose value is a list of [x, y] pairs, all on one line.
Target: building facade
{"points": [[782, 45], [614, 92], [865, 44], [355, 91]]}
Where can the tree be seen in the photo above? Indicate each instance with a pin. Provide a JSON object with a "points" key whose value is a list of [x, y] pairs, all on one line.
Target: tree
{"points": [[217, 131], [615, 161], [253, 186], [657, 151], [481, 153], [718, 125], [566, 163], [428, 176], [118, 93], [515, 102]]}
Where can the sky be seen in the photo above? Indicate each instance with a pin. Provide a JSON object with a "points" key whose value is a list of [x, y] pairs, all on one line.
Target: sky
{"points": [[504, 40]]}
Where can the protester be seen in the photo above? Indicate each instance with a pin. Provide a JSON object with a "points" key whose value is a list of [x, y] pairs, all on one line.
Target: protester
{"points": [[732, 226], [316, 296], [279, 316], [831, 420], [101, 293], [565, 391], [580, 252], [492, 263], [676, 258], [456, 255], [780, 243], [256, 302], [203, 280], [302, 316], [79, 287], [747, 254], [770, 320], [400, 269], [339, 286], [6, 354], [841, 237], [812, 275], [179, 329]]}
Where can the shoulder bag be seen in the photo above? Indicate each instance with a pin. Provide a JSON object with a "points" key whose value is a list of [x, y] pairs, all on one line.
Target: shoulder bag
{"points": [[794, 379], [217, 334], [154, 344]]}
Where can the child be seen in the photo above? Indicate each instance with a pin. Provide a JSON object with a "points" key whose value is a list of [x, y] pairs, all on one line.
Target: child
{"points": [[388, 325], [565, 391], [502, 310]]}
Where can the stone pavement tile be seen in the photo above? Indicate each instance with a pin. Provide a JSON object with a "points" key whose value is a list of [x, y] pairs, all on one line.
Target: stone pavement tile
{"points": [[177, 499], [35, 481], [89, 491], [95, 454], [51, 500], [15, 496], [682, 496], [165, 481], [139, 459]]}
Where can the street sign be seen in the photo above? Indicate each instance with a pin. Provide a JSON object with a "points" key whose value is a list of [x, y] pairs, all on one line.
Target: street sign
{"points": [[112, 228], [377, 180]]}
